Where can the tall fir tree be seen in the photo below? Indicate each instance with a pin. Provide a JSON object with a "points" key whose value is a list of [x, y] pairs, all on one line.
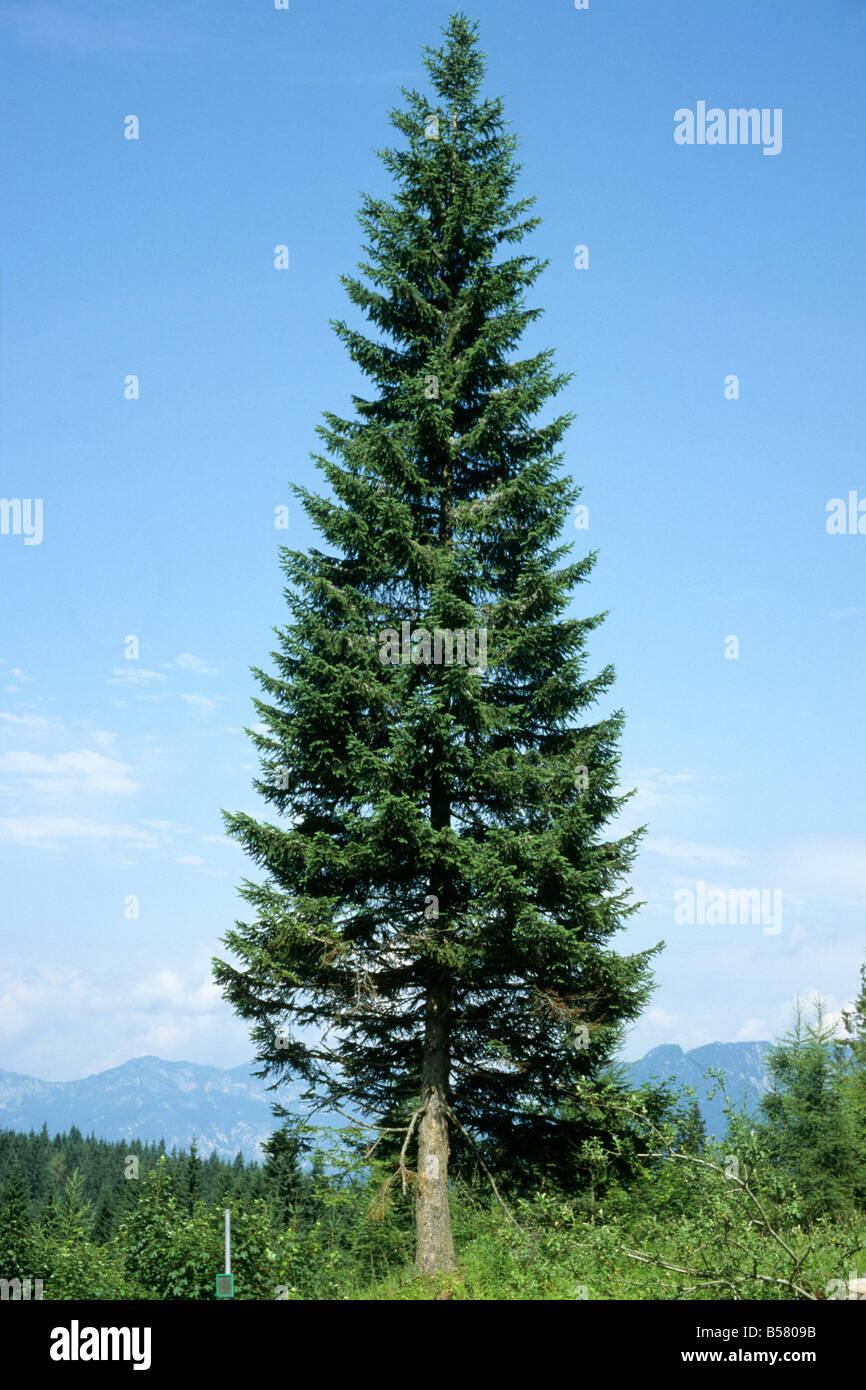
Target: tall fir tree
{"points": [[431, 942], [854, 1020], [809, 1129]]}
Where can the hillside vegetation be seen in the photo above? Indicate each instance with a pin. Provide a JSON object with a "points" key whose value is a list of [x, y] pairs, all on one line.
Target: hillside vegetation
{"points": [[655, 1210]]}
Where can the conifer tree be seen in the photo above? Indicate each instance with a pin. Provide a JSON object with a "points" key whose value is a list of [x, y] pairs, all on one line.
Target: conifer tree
{"points": [[16, 1244], [809, 1129], [193, 1175], [72, 1212], [283, 1175], [854, 1020], [103, 1220], [431, 940]]}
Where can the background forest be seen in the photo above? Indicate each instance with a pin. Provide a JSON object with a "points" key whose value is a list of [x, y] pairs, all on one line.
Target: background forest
{"points": [[653, 1210]]}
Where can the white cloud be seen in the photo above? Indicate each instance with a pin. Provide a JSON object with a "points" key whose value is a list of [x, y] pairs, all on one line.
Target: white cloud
{"points": [[168, 989], [204, 702], [660, 1018], [167, 827], [834, 869], [102, 738], [20, 1004], [196, 664], [48, 832], [26, 1004], [174, 1035], [654, 789], [753, 1030], [134, 675], [196, 863], [690, 852], [124, 1018], [176, 1007], [64, 773], [33, 721]]}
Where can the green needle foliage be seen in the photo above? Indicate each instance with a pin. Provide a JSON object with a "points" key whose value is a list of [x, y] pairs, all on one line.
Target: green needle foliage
{"points": [[15, 1238], [810, 1129], [855, 1038], [439, 901]]}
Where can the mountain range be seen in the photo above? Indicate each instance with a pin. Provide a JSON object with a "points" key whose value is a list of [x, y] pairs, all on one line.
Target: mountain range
{"points": [[230, 1110], [743, 1064], [150, 1099]]}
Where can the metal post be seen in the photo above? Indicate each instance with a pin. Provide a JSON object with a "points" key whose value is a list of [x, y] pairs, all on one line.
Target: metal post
{"points": [[228, 1242]]}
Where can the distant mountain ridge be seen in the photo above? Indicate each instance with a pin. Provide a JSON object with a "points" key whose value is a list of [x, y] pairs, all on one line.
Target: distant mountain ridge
{"points": [[229, 1110], [151, 1099], [744, 1065]]}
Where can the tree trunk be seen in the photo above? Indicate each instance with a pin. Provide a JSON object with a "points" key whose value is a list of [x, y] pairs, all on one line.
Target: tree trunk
{"points": [[434, 1245]]}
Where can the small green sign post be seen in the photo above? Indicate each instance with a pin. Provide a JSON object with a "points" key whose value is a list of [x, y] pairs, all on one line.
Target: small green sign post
{"points": [[225, 1283]]}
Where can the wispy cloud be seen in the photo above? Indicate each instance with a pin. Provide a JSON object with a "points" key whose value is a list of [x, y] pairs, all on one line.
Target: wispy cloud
{"points": [[102, 738], [660, 1018], [195, 664], [197, 864], [32, 721], [163, 1011], [134, 675], [85, 30], [167, 827], [50, 832], [655, 789], [690, 852], [204, 702], [168, 989], [65, 773], [753, 1030], [25, 1004], [825, 868]]}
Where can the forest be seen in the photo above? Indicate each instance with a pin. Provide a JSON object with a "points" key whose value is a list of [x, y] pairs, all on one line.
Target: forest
{"points": [[645, 1208]]}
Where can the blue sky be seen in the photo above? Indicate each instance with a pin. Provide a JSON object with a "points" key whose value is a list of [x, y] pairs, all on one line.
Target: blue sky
{"points": [[155, 257]]}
